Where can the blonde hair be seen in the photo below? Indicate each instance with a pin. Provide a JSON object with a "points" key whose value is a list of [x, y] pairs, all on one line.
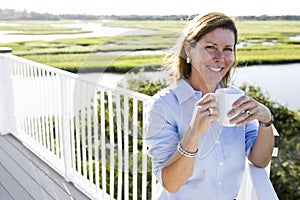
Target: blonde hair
{"points": [[194, 31]]}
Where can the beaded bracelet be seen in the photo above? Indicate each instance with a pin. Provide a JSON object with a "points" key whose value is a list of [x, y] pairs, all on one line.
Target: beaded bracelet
{"points": [[186, 153]]}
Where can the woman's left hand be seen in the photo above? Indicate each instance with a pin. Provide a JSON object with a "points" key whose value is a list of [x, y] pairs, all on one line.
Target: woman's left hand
{"points": [[246, 109]]}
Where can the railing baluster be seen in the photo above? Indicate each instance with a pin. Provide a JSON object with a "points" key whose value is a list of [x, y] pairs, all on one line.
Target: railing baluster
{"points": [[65, 127], [60, 120], [36, 103], [31, 104], [26, 106], [25, 100], [120, 146], [103, 151], [43, 108], [83, 127], [89, 126], [52, 114], [135, 148], [39, 106], [73, 125], [47, 108], [144, 159], [126, 148], [96, 139], [78, 131], [56, 120], [112, 143]]}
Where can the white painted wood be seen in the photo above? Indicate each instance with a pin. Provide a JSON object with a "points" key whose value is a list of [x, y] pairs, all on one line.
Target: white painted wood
{"points": [[126, 148], [119, 146], [72, 123], [135, 150]]}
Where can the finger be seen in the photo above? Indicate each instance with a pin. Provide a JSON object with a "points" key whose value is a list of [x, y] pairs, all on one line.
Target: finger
{"points": [[213, 109], [202, 115], [208, 110], [245, 117], [207, 98], [241, 109], [240, 101], [246, 105], [211, 115], [245, 121]]}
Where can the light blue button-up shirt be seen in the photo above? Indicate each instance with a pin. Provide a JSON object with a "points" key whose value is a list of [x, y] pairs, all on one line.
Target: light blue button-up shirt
{"points": [[220, 161]]}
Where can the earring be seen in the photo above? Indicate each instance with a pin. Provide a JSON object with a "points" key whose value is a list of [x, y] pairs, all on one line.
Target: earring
{"points": [[188, 60]]}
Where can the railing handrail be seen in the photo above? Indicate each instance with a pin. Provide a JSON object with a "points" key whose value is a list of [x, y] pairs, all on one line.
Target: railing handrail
{"points": [[123, 91]]}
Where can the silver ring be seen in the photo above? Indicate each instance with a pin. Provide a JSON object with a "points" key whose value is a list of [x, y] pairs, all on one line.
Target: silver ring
{"points": [[210, 111], [248, 113]]}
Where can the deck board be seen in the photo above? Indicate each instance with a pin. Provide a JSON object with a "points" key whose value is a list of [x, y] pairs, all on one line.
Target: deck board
{"points": [[24, 176], [4, 194], [12, 186]]}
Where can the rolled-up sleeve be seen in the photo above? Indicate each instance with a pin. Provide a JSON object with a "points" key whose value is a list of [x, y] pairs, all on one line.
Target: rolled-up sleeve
{"points": [[161, 134], [251, 135]]}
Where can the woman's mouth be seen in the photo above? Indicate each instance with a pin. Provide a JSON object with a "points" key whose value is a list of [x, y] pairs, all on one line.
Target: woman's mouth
{"points": [[215, 69]]}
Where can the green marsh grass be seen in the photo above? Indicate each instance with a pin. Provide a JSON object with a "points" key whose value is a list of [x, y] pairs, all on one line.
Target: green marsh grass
{"points": [[37, 27], [74, 54]]}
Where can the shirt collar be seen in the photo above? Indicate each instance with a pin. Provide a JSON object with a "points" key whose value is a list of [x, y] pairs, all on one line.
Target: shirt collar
{"points": [[184, 91]]}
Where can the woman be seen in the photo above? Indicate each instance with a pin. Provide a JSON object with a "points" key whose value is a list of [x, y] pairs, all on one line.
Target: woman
{"points": [[182, 119]]}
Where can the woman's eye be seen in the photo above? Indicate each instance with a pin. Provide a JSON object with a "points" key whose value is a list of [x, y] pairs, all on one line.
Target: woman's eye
{"points": [[228, 49], [211, 48]]}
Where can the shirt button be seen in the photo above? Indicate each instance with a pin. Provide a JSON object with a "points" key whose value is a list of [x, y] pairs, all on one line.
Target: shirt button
{"points": [[221, 163], [217, 142], [219, 183]]}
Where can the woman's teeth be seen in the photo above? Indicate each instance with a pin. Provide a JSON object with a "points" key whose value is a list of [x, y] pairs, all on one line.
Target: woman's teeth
{"points": [[215, 69]]}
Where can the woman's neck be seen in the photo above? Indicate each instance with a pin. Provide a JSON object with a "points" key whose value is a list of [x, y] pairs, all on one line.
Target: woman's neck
{"points": [[198, 83]]}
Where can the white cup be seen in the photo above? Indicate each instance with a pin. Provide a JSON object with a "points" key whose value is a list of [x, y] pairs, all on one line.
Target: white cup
{"points": [[225, 98]]}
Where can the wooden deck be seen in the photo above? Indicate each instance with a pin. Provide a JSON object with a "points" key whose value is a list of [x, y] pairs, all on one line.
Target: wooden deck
{"points": [[24, 176]]}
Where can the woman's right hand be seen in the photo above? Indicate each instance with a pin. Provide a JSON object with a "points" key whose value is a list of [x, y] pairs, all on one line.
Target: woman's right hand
{"points": [[205, 113]]}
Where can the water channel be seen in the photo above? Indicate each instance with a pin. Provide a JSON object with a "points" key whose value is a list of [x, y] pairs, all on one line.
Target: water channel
{"points": [[95, 30], [280, 82]]}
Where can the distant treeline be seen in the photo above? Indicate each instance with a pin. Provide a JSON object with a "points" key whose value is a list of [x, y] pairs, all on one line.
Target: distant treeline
{"points": [[11, 14]]}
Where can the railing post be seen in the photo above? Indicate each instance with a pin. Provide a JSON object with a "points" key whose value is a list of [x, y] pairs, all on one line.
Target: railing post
{"points": [[7, 114], [66, 129]]}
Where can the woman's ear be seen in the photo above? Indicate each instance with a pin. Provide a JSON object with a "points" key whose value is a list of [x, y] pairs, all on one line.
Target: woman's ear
{"points": [[187, 49]]}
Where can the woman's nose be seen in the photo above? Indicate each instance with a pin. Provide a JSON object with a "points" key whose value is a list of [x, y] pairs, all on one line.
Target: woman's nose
{"points": [[218, 55]]}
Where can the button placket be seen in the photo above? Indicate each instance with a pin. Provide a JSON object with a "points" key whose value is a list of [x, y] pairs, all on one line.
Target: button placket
{"points": [[220, 169]]}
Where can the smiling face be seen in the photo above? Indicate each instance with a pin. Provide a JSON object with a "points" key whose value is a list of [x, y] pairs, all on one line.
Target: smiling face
{"points": [[211, 57]]}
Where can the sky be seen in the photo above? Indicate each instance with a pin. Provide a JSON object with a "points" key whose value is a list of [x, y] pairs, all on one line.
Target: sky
{"points": [[156, 7]]}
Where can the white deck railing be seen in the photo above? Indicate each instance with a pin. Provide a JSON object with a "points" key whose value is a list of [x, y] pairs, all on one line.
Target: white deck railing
{"points": [[90, 134]]}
